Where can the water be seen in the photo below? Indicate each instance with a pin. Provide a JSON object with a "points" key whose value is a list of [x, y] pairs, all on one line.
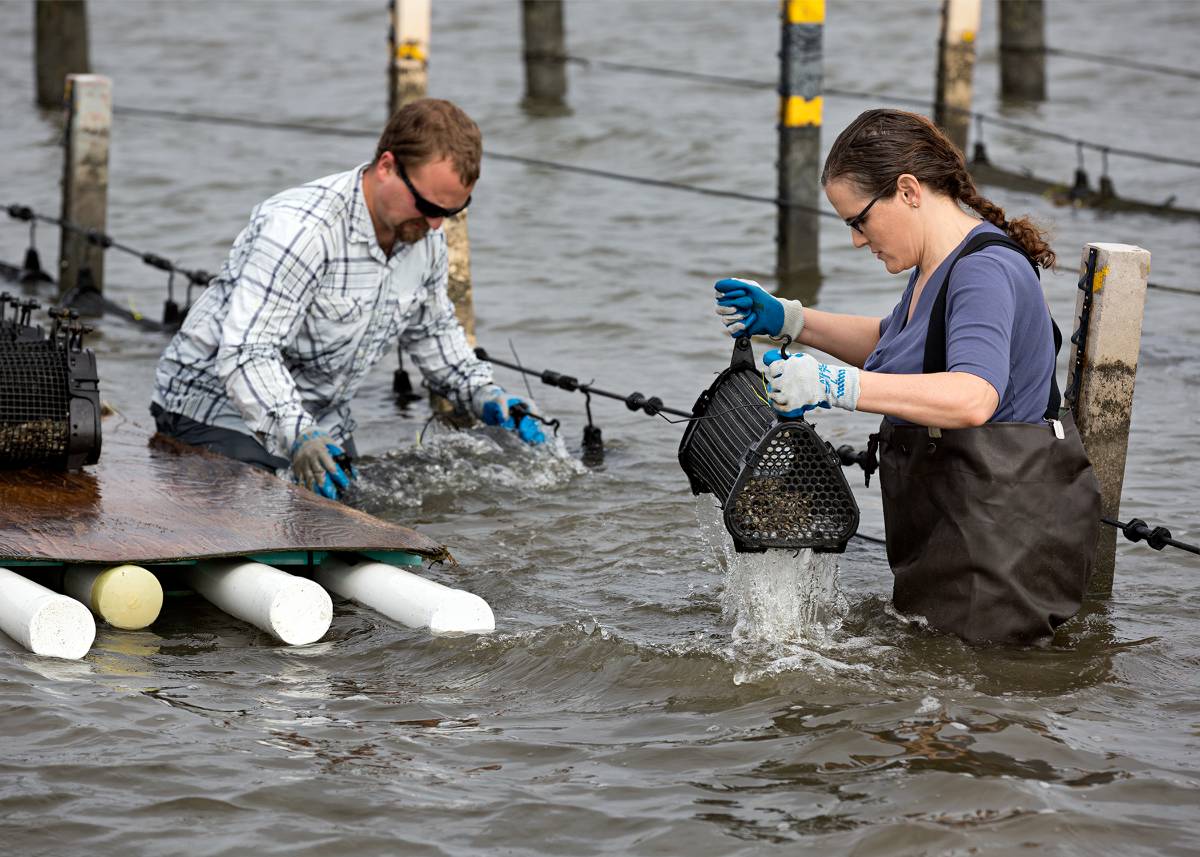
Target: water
{"points": [[627, 704]]}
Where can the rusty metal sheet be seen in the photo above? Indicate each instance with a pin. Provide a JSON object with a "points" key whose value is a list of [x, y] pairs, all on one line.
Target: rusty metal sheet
{"points": [[153, 499]]}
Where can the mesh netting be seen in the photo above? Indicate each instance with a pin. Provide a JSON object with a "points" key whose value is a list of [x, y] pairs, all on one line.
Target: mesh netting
{"points": [[49, 390], [34, 403], [779, 484]]}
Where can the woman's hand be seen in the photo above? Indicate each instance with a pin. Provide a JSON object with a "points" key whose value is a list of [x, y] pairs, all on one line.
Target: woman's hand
{"points": [[798, 384], [746, 309]]}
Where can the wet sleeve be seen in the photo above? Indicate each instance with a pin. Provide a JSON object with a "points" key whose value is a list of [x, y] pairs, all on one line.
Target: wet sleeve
{"points": [[437, 343], [274, 288], [981, 307]]}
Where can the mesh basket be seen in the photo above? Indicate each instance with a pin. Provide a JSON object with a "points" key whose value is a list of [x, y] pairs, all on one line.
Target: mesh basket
{"points": [[779, 484], [49, 398]]}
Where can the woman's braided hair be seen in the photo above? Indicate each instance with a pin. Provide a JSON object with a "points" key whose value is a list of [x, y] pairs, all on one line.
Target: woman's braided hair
{"points": [[881, 145]]}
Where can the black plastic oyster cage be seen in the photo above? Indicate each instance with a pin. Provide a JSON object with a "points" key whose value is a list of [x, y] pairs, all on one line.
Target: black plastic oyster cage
{"points": [[49, 391], [780, 485]]}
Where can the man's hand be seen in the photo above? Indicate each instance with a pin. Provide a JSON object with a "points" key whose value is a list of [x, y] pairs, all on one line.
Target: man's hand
{"points": [[747, 310], [313, 465], [515, 413], [798, 384]]}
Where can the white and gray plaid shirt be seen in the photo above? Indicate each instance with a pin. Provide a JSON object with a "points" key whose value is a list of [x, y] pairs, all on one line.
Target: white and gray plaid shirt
{"points": [[305, 305]]}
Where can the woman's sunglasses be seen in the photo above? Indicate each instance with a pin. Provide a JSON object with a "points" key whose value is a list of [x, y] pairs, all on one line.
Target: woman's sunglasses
{"points": [[427, 208], [856, 221]]}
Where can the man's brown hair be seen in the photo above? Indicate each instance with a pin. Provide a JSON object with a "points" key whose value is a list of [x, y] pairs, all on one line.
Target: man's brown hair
{"points": [[431, 129]]}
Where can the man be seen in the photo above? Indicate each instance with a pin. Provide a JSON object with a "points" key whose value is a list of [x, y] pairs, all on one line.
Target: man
{"points": [[322, 282]]}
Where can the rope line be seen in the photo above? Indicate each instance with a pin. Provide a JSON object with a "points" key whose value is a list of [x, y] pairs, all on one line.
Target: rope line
{"points": [[1173, 71], [104, 241], [245, 122], [911, 101]]}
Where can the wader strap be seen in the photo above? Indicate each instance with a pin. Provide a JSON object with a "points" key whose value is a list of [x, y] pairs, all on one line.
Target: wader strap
{"points": [[935, 337]]}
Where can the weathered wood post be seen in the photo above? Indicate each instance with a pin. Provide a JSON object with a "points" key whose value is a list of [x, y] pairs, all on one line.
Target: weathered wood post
{"points": [[545, 57], [408, 68], [956, 65], [800, 109], [1104, 401], [61, 42], [1023, 49], [85, 177]]}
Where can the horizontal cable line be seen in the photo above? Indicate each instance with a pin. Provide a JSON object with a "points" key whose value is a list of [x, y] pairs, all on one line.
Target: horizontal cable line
{"points": [[245, 122], [719, 79], [101, 239], [1174, 71], [1176, 289], [912, 101]]}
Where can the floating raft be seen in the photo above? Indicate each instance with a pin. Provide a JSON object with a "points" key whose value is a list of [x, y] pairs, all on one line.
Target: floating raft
{"points": [[215, 525], [153, 501]]}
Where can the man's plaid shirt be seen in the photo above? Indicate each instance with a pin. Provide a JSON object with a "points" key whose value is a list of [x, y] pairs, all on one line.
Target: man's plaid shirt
{"points": [[304, 307]]}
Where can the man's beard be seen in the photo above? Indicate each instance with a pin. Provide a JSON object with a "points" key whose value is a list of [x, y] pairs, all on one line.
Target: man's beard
{"points": [[412, 231]]}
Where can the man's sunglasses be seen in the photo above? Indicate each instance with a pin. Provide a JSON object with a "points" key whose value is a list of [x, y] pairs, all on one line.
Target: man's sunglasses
{"points": [[427, 208], [856, 221]]}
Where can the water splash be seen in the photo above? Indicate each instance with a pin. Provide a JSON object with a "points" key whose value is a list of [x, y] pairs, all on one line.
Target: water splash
{"points": [[448, 462], [778, 596]]}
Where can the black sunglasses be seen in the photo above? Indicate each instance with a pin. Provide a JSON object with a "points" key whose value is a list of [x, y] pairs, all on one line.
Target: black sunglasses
{"points": [[427, 208], [856, 221]]}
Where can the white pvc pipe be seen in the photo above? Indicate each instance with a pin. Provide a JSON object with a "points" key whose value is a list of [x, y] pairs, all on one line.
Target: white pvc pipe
{"points": [[125, 596], [43, 621], [408, 598], [292, 609]]}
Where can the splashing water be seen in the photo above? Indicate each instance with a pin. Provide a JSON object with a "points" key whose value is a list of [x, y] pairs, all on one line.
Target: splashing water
{"points": [[777, 596], [459, 462]]}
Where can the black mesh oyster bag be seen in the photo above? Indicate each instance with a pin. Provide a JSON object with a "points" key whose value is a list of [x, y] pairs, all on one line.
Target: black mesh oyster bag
{"points": [[780, 485], [49, 397]]}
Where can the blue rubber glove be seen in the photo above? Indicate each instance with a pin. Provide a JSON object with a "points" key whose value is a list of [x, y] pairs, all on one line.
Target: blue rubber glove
{"points": [[746, 309], [313, 465], [800, 384], [496, 410]]}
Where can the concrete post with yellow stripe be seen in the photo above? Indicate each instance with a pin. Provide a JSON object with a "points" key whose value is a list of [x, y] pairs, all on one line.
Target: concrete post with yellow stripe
{"points": [[800, 107], [408, 37], [956, 67], [1107, 370]]}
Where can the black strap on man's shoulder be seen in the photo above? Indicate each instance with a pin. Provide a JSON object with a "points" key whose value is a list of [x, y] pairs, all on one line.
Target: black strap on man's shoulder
{"points": [[935, 337]]}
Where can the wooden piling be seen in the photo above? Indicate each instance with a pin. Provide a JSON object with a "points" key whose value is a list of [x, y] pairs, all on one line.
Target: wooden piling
{"points": [[85, 177], [545, 57], [61, 46], [956, 65], [408, 65], [800, 113], [1104, 403], [1023, 49]]}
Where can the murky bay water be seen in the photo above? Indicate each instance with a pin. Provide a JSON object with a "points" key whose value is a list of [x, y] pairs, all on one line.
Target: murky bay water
{"points": [[618, 708]]}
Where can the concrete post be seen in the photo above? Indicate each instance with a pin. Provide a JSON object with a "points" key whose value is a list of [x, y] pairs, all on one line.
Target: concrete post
{"points": [[408, 65], [800, 109], [61, 41], [85, 177], [1104, 402], [459, 285], [956, 65], [1023, 49], [545, 57]]}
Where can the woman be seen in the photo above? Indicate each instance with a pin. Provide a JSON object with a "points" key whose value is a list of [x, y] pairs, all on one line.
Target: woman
{"points": [[990, 506]]}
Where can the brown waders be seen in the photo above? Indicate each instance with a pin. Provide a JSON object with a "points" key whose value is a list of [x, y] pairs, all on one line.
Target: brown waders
{"points": [[991, 531]]}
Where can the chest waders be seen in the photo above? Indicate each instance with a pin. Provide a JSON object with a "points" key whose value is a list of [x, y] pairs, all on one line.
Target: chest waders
{"points": [[991, 531]]}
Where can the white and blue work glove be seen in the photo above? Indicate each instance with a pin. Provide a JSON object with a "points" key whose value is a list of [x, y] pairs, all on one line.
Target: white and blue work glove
{"points": [[798, 384], [498, 408], [313, 465], [746, 309]]}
